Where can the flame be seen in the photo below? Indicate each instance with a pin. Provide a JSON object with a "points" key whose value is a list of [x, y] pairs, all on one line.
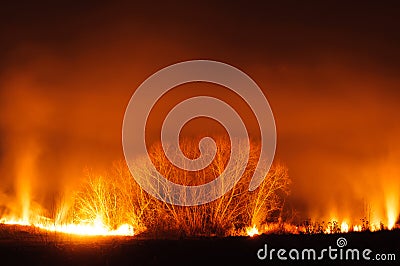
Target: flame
{"points": [[94, 228], [252, 231], [357, 228], [95, 210], [31, 215], [344, 227], [392, 210]]}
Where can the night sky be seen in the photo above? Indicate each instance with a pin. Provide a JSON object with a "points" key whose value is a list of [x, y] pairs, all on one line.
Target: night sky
{"points": [[329, 69]]}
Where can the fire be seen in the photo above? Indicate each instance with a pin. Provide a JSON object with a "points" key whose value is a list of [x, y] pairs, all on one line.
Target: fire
{"points": [[357, 228], [113, 204], [392, 207], [94, 228], [14, 221], [90, 229], [344, 227], [88, 216], [252, 231]]}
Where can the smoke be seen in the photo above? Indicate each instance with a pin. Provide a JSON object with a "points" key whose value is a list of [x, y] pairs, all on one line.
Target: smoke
{"points": [[338, 135]]}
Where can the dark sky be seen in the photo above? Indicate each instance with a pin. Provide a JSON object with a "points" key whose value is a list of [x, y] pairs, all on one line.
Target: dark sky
{"points": [[329, 70]]}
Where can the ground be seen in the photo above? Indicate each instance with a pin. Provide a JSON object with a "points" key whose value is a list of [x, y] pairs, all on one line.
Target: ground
{"points": [[27, 246]]}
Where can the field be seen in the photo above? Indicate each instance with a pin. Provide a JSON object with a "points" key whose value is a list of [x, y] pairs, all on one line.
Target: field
{"points": [[20, 245]]}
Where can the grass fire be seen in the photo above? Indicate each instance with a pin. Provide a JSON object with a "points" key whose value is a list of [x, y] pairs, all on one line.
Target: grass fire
{"points": [[316, 83], [113, 204]]}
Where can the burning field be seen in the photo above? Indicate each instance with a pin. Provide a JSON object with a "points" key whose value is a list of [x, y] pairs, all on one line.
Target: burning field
{"points": [[316, 85], [112, 203], [110, 219]]}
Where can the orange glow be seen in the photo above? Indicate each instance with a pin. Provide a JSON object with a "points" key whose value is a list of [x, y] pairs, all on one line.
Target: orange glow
{"points": [[252, 231]]}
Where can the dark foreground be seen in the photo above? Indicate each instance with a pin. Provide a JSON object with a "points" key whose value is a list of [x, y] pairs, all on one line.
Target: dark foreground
{"points": [[21, 246]]}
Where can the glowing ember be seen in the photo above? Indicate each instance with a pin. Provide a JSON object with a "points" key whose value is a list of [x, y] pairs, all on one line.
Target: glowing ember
{"points": [[252, 231]]}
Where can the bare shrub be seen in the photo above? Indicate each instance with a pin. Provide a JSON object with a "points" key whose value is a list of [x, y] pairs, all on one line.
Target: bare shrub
{"points": [[117, 199]]}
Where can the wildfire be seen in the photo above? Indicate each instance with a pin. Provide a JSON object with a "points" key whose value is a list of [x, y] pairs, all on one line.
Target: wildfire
{"points": [[113, 204]]}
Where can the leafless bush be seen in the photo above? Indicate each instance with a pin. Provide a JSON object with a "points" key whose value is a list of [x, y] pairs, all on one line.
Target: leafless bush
{"points": [[118, 199]]}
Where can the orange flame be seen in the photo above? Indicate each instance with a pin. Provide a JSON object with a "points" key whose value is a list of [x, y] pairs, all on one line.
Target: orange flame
{"points": [[94, 228], [252, 231]]}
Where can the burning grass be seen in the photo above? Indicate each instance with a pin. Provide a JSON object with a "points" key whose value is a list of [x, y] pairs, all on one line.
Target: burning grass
{"points": [[113, 204]]}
